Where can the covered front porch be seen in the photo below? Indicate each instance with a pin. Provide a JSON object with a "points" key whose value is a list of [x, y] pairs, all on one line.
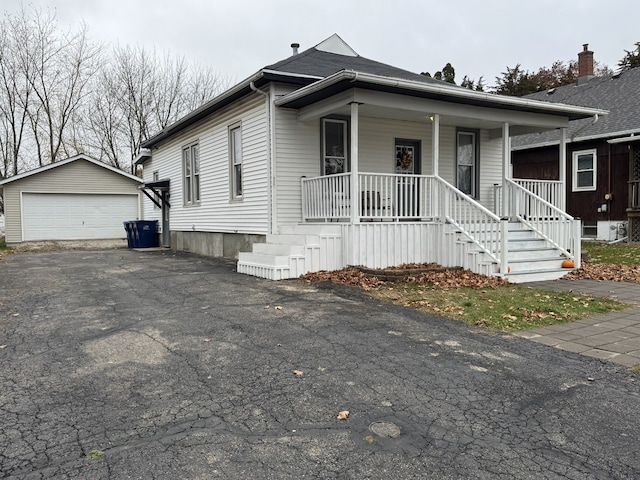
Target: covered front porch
{"points": [[454, 203]]}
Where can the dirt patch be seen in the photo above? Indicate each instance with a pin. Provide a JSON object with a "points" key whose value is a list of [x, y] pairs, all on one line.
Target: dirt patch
{"points": [[52, 246]]}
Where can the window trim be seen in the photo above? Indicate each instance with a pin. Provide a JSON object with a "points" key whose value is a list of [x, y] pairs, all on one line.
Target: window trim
{"points": [[475, 180], [574, 170], [346, 132], [234, 196], [191, 181]]}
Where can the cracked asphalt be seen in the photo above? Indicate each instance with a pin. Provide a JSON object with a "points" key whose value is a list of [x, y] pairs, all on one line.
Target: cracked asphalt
{"points": [[149, 365]]}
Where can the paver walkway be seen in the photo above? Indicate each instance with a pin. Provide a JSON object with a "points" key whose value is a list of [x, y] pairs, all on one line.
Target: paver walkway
{"points": [[613, 336]]}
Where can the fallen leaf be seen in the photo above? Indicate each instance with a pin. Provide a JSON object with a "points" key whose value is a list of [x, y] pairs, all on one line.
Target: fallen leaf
{"points": [[369, 439], [298, 373], [278, 307], [2, 346], [206, 340], [16, 314], [343, 415]]}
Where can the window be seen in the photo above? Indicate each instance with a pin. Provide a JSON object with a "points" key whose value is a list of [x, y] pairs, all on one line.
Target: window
{"points": [[334, 146], [191, 174], [156, 177], [584, 170], [589, 229], [235, 153], [467, 162]]}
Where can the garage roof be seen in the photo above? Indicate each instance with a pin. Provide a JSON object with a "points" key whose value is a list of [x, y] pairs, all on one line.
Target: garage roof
{"points": [[66, 162]]}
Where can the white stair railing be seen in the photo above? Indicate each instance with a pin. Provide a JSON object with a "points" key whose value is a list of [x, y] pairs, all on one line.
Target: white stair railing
{"points": [[550, 222], [479, 224]]}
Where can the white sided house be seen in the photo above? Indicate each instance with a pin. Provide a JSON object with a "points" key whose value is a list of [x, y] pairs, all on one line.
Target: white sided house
{"points": [[78, 198], [328, 159]]}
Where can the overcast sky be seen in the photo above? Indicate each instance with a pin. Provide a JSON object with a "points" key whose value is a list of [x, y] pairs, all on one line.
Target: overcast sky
{"points": [[479, 37]]}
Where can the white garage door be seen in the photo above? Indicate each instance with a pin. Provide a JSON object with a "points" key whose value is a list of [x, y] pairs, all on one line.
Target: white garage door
{"points": [[53, 216]]}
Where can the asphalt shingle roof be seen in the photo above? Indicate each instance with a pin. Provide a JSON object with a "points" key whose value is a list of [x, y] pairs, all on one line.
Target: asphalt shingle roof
{"points": [[620, 94], [323, 64]]}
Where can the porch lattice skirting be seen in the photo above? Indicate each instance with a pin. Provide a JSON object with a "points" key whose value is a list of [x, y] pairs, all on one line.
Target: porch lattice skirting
{"points": [[300, 249]]}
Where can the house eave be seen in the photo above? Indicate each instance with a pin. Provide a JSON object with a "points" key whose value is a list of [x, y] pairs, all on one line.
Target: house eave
{"points": [[586, 138], [347, 79], [228, 97]]}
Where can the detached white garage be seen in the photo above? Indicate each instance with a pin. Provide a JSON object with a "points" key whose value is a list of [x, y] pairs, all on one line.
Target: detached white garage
{"points": [[78, 198]]}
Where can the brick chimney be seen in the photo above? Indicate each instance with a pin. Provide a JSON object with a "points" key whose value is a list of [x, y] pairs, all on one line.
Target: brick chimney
{"points": [[585, 64]]}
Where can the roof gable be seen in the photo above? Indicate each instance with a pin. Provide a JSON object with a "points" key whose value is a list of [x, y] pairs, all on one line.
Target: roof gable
{"points": [[80, 157], [334, 55], [335, 44]]}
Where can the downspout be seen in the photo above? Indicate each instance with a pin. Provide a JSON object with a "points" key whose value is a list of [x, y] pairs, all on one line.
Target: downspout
{"points": [[270, 206]]}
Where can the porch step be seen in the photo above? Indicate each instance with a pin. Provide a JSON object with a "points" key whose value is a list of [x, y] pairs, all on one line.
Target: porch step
{"points": [[311, 229], [299, 249], [537, 275]]}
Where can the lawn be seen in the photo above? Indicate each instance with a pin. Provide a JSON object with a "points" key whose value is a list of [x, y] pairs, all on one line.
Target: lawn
{"points": [[613, 254], [507, 307]]}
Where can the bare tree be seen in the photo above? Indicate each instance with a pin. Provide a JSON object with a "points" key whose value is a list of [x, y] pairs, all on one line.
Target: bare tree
{"points": [[140, 93], [60, 95]]}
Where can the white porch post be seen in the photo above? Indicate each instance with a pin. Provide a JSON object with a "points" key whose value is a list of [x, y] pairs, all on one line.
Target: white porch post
{"points": [[355, 188], [435, 143], [563, 170], [506, 168]]}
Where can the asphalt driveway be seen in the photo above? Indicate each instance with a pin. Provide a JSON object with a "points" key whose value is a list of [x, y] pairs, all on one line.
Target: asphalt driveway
{"points": [[119, 364]]}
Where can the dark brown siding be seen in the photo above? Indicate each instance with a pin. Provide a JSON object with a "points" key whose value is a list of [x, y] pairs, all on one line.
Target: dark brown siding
{"points": [[612, 177]]}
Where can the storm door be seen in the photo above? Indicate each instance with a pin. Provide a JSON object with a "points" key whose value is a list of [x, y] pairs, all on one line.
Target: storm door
{"points": [[408, 164]]}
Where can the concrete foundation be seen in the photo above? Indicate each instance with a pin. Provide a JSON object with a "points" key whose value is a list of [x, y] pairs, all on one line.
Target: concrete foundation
{"points": [[214, 244]]}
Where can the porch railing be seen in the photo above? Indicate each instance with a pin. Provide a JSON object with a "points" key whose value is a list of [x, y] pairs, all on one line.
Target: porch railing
{"points": [[555, 225], [382, 197], [389, 197], [326, 197], [549, 190]]}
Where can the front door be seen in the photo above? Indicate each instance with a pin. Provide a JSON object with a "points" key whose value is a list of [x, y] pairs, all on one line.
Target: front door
{"points": [[407, 162]]}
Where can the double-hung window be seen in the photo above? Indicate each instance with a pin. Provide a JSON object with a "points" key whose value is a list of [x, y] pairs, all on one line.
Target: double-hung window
{"points": [[585, 169], [235, 157], [191, 174]]}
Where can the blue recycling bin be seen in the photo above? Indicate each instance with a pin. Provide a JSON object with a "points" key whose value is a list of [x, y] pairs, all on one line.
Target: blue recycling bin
{"points": [[129, 230], [145, 233]]}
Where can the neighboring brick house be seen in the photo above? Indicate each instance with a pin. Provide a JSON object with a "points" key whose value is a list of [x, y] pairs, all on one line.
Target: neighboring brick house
{"points": [[602, 154]]}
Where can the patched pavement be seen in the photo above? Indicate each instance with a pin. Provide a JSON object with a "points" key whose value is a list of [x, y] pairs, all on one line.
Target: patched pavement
{"points": [[120, 364]]}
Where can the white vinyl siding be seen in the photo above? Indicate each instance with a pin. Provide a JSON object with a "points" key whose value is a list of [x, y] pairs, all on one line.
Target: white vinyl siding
{"points": [[78, 177], [217, 213]]}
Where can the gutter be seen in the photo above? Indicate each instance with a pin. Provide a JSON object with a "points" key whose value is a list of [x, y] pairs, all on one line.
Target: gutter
{"points": [[456, 92], [599, 136]]}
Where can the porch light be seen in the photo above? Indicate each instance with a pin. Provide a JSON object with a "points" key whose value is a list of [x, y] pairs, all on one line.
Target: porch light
{"points": [[431, 117]]}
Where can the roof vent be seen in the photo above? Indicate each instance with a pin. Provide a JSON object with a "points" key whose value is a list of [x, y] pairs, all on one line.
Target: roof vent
{"points": [[551, 91], [295, 47], [617, 74]]}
